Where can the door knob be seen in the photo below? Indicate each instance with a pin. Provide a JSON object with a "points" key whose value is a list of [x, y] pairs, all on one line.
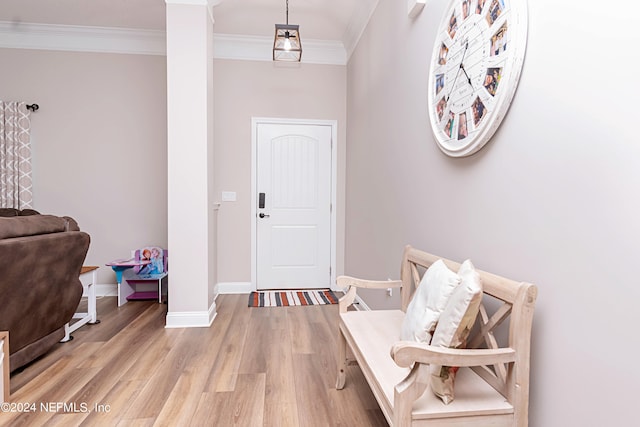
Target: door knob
{"points": [[261, 215]]}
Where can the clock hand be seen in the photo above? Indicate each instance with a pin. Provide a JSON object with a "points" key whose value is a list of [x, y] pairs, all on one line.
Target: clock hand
{"points": [[466, 46], [458, 73], [468, 78], [453, 85]]}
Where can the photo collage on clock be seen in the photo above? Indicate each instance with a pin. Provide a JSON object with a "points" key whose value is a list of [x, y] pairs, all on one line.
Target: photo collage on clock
{"points": [[485, 12]]}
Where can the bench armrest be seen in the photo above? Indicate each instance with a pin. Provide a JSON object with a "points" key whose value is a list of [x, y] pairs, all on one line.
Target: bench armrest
{"points": [[353, 283], [405, 353]]}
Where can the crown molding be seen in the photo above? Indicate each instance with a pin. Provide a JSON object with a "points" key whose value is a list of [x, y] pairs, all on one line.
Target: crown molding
{"points": [[82, 39], [361, 16], [153, 42], [259, 48]]}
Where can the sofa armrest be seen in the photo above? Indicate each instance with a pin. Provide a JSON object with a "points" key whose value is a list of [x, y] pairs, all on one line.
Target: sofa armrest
{"points": [[406, 353], [71, 224], [350, 284]]}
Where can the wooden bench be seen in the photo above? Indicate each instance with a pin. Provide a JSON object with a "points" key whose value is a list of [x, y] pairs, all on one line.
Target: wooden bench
{"points": [[492, 384]]}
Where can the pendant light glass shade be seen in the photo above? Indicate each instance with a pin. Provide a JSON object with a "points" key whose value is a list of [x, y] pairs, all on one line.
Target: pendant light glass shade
{"points": [[286, 43]]}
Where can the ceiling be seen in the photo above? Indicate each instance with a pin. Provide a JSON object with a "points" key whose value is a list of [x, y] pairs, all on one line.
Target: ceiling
{"points": [[332, 20]]}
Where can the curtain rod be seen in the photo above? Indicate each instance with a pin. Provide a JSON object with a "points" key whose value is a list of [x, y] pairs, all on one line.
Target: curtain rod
{"points": [[33, 107]]}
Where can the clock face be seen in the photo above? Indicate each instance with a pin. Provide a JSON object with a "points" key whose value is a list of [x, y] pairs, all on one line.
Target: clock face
{"points": [[475, 67]]}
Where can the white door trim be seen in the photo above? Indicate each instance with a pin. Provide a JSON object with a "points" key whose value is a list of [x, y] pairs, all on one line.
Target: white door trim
{"points": [[255, 121]]}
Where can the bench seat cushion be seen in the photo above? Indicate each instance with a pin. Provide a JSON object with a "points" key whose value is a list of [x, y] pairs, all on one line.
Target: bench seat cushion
{"points": [[374, 332]]}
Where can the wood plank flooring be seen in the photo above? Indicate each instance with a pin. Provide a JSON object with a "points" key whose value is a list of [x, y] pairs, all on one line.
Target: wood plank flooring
{"points": [[254, 367]]}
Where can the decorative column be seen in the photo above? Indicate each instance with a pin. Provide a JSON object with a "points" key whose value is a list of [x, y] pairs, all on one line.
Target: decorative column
{"points": [[191, 217]]}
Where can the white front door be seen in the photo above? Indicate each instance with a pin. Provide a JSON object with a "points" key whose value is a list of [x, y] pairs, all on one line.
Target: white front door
{"points": [[293, 200]]}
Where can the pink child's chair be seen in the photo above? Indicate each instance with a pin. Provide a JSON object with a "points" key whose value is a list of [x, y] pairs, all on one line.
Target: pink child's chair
{"points": [[147, 280]]}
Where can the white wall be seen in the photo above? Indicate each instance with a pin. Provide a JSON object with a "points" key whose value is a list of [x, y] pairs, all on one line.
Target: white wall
{"points": [[99, 143], [552, 199]]}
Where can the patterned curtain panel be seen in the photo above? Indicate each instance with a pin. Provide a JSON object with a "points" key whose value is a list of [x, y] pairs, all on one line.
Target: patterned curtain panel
{"points": [[15, 156]]}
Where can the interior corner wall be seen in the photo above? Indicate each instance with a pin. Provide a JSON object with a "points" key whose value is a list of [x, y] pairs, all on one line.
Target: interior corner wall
{"points": [[99, 143], [551, 199], [246, 89]]}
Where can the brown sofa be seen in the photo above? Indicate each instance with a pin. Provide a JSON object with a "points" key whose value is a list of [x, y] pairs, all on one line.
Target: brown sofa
{"points": [[40, 261]]}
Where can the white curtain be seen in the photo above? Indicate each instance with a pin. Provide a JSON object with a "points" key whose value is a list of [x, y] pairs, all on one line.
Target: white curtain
{"points": [[15, 156]]}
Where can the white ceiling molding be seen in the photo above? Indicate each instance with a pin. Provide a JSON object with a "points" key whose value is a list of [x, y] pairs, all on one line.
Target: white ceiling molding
{"points": [[82, 39], [358, 23], [153, 42], [324, 52], [259, 48]]}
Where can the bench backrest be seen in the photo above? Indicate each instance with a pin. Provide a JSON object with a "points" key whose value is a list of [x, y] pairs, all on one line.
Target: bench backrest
{"points": [[504, 300]]}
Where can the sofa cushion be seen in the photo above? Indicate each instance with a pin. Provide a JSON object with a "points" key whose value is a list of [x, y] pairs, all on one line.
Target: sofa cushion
{"points": [[21, 226], [429, 300], [454, 327]]}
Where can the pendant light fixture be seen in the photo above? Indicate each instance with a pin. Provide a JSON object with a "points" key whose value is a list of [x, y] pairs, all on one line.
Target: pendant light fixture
{"points": [[286, 44]]}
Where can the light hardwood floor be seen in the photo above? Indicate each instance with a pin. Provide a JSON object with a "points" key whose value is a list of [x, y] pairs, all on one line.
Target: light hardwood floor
{"points": [[253, 367]]}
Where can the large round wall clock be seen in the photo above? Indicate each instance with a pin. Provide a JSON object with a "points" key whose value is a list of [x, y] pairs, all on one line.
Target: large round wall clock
{"points": [[475, 67]]}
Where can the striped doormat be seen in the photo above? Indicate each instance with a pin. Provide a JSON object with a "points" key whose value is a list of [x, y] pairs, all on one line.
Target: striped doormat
{"points": [[287, 298]]}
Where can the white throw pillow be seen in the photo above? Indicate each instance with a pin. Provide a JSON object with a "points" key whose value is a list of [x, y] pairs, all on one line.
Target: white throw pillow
{"points": [[454, 327], [429, 300]]}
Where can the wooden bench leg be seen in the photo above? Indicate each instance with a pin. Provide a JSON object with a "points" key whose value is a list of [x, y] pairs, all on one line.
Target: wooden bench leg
{"points": [[405, 393], [342, 362]]}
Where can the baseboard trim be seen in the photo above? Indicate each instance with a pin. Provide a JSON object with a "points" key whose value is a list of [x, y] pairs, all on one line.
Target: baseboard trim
{"points": [[106, 290], [244, 288], [358, 302], [191, 319], [361, 305], [234, 288]]}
